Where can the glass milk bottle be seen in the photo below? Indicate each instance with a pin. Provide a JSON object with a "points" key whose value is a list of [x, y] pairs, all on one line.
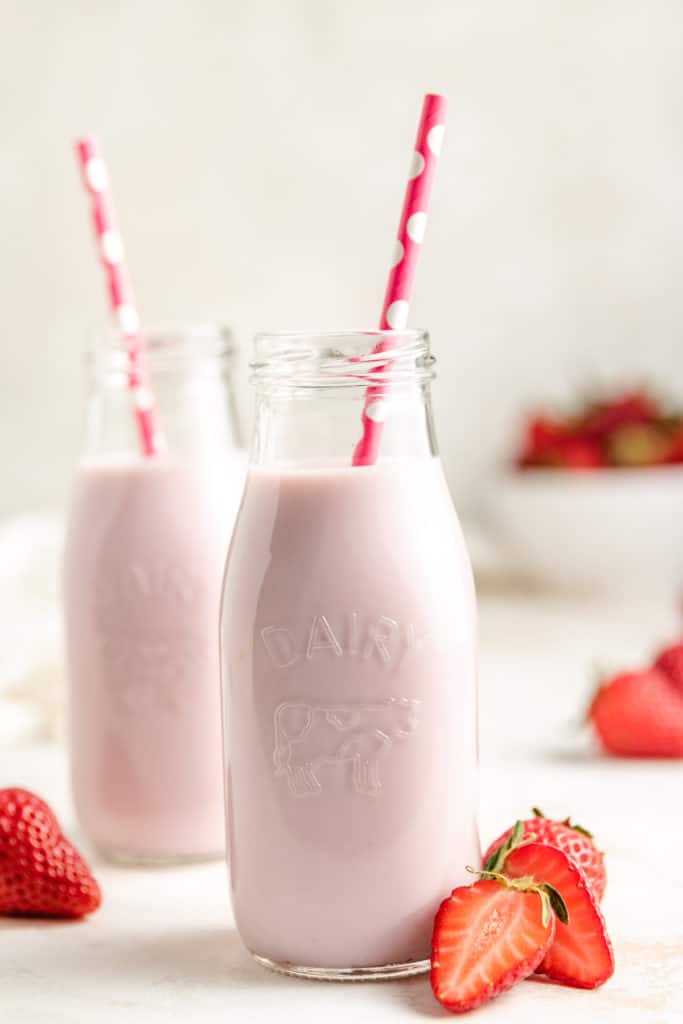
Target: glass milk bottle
{"points": [[144, 557], [349, 674]]}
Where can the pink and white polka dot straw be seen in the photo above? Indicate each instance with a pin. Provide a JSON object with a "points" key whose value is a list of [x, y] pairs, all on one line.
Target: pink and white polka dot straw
{"points": [[411, 231], [120, 292]]}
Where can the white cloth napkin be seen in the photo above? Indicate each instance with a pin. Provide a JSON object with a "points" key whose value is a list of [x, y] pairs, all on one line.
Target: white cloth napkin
{"points": [[31, 666]]}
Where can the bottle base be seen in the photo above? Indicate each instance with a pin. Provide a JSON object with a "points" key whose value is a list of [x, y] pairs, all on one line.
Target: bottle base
{"points": [[384, 973], [130, 859]]}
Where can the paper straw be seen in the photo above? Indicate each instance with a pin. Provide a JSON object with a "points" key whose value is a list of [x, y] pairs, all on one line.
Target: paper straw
{"points": [[411, 231], [120, 292]]}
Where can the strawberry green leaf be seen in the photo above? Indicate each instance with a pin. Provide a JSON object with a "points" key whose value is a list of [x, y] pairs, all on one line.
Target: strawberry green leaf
{"points": [[496, 861], [557, 902]]}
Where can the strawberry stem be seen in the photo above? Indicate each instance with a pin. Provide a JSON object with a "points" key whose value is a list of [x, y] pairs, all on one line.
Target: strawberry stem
{"points": [[551, 899], [567, 821]]}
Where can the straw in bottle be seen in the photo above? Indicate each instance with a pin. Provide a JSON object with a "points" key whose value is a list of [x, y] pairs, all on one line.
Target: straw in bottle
{"points": [[120, 292], [411, 231]]}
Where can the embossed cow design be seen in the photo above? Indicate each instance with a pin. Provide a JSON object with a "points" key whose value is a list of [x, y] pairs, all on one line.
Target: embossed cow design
{"points": [[310, 735]]}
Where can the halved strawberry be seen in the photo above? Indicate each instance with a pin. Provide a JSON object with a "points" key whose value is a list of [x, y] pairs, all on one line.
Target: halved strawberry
{"points": [[488, 936], [640, 444], [581, 953]]}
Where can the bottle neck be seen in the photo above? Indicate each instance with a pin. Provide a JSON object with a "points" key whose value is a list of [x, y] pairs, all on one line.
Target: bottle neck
{"points": [[189, 374], [313, 393]]}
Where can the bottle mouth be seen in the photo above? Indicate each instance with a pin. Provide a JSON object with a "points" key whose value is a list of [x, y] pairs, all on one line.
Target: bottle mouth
{"points": [[166, 346], [335, 359]]}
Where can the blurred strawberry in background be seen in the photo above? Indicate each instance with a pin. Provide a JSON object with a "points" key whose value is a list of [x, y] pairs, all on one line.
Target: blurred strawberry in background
{"points": [[631, 429], [639, 713]]}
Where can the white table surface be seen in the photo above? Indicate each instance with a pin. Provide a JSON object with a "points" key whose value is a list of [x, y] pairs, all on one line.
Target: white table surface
{"points": [[163, 946]]}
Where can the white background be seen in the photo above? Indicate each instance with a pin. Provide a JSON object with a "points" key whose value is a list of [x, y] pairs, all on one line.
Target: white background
{"points": [[259, 152]]}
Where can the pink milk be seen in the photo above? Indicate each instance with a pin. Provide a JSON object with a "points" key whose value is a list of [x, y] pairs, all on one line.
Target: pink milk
{"points": [[144, 558], [350, 681], [146, 545]]}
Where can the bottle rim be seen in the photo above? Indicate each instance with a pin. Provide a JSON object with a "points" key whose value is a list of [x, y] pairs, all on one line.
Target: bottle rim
{"points": [[166, 340], [341, 358], [168, 346]]}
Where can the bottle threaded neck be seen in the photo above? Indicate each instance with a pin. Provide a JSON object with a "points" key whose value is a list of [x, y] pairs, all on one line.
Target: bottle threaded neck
{"points": [[166, 349], [341, 359]]}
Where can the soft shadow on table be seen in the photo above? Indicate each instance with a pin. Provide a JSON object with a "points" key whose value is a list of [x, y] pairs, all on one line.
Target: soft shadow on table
{"points": [[417, 993], [569, 751], [25, 923], [208, 956], [606, 763]]}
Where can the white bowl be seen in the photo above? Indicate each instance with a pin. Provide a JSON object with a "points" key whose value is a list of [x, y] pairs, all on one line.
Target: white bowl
{"points": [[616, 530]]}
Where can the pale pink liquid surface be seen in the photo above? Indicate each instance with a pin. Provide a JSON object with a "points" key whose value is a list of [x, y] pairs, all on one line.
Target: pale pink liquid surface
{"points": [[143, 565], [349, 668]]}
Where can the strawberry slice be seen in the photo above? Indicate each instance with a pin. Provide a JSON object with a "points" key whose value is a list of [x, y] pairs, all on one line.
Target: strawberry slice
{"points": [[581, 953], [488, 936]]}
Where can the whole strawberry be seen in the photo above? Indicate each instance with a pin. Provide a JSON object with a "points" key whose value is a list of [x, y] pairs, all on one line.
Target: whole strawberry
{"points": [[41, 874], [639, 714], [676, 449], [542, 437], [631, 408], [573, 840], [670, 662], [580, 453]]}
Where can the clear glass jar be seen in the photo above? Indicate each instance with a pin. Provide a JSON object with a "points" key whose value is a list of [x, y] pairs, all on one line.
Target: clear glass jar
{"points": [[143, 564], [349, 667]]}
